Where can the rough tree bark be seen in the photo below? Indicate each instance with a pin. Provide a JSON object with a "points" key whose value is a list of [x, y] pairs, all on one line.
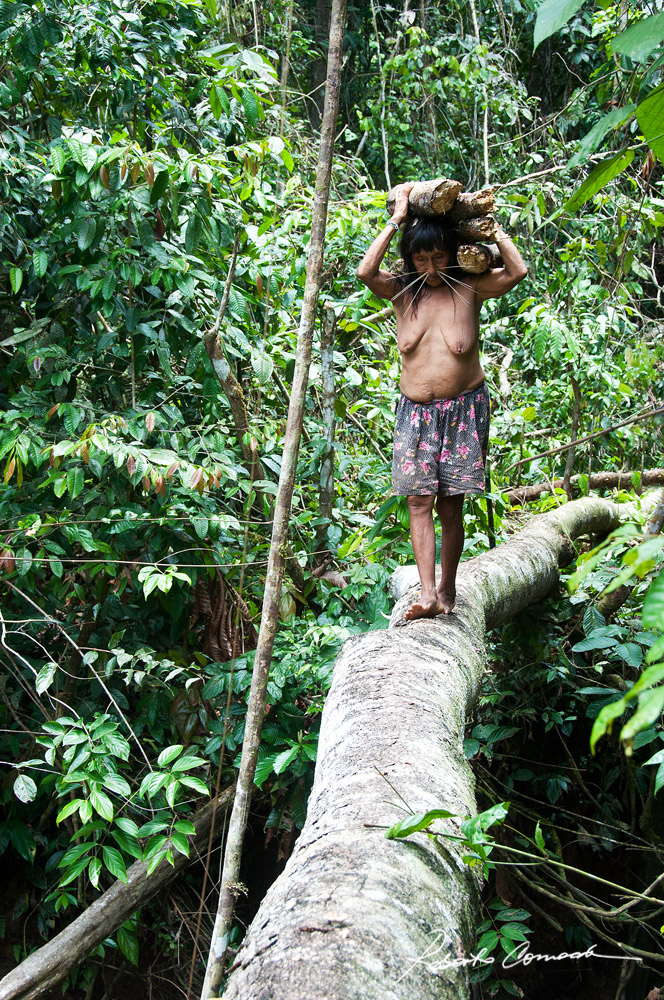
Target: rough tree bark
{"points": [[429, 197], [476, 258], [355, 916], [472, 203], [45, 968], [479, 230], [276, 558]]}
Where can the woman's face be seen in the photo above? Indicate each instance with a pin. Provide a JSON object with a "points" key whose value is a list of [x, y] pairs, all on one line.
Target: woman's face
{"points": [[431, 262]]}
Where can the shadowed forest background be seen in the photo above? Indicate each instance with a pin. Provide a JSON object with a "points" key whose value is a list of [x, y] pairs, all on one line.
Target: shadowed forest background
{"points": [[156, 156]]}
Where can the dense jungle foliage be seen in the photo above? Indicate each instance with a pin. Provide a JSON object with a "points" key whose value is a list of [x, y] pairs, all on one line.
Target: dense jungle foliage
{"points": [[141, 147]]}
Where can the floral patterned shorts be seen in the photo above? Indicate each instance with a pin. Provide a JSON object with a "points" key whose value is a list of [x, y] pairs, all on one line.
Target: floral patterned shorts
{"points": [[439, 446]]}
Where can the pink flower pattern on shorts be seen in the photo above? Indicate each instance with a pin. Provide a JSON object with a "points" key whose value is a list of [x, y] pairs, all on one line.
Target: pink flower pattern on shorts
{"points": [[439, 446]]}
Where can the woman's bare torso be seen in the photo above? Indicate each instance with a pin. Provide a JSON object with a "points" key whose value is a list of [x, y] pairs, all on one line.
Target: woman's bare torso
{"points": [[440, 345]]}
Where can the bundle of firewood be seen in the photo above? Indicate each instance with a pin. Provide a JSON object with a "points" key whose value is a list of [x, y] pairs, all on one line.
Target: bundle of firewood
{"points": [[470, 215]]}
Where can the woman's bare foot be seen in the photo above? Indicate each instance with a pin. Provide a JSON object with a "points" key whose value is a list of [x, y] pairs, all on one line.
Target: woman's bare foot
{"points": [[446, 598], [426, 607]]}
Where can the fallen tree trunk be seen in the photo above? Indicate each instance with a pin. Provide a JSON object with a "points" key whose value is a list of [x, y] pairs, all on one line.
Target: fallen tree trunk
{"points": [[476, 258], [597, 481], [49, 965], [428, 197], [355, 915]]}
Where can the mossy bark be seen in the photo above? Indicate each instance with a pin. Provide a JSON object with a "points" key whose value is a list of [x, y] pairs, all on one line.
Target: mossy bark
{"points": [[355, 916]]}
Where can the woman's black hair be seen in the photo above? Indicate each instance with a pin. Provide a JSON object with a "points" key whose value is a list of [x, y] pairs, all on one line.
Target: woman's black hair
{"points": [[425, 233]]}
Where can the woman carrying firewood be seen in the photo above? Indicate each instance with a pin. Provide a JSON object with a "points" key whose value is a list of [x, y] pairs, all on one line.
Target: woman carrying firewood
{"points": [[442, 422]]}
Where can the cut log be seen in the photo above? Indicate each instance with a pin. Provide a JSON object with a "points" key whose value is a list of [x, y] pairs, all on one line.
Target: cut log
{"points": [[479, 230], [597, 481], [476, 258], [49, 965], [429, 197], [471, 204], [354, 914]]}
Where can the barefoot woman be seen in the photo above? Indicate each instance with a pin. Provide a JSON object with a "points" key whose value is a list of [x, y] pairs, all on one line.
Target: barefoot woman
{"points": [[442, 422]]}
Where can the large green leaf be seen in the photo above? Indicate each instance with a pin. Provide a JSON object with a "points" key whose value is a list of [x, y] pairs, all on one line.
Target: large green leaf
{"points": [[551, 16], [592, 139], [415, 823], [599, 178], [250, 105], [653, 606], [15, 279], [263, 366], [40, 262], [650, 116], [194, 232], [650, 708], [85, 233], [639, 40]]}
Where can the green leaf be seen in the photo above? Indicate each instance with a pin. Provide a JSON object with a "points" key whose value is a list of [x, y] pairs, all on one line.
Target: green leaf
{"points": [[653, 605], [539, 837], [263, 366], [180, 843], [513, 931], [193, 234], [289, 163], [94, 871], [282, 760], [145, 233], [540, 342], [15, 278], [195, 783], [650, 708], [215, 102], [70, 808], [551, 16], [487, 942], [596, 640], [24, 788], [114, 862], [415, 823], [604, 721], [650, 116], [640, 39], [101, 804], [58, 158], [85, 233], [186, 763], [21, 838], [40, 262], [599, 178], [74, 853], [201, 526], [185, 826], [592, 139], [250, 105], [128, 942], [75, 481], [117, 784], [45, 677], [169, 754], [74, 871], [151, 784]]}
